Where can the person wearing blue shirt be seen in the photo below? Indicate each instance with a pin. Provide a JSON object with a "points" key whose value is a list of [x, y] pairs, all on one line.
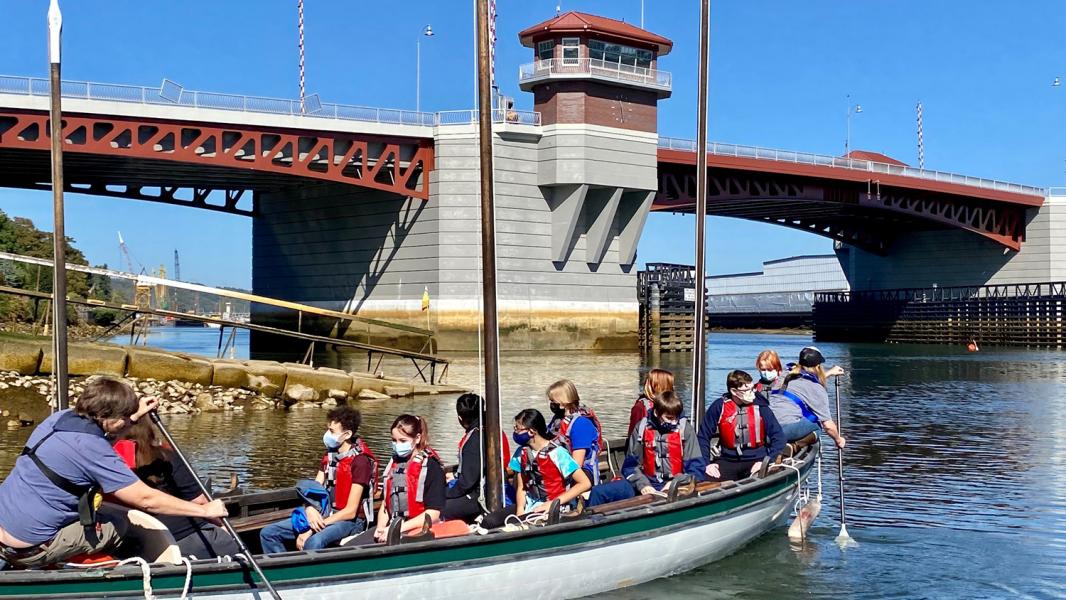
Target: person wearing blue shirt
{"points": [[48, 503], [575, 426]]}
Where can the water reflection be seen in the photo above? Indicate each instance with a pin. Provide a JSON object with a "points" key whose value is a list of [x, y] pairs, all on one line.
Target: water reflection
{"points": [[955, 462]]}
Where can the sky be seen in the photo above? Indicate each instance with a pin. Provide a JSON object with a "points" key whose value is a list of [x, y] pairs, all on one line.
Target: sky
{"points": [[780, 75]]}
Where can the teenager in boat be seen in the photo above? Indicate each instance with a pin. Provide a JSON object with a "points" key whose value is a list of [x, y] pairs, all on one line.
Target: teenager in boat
{"points": [[801, 404], [662, 446], [656, 382], [339, 500], [576, 427], [771, 374], [746, 428], [155, 463], [414, 482], [49, 501], [546, 471], [464, 481]]}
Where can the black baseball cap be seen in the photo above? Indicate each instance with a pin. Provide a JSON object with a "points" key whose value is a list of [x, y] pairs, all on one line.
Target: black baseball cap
{"points": [[811, 357]]}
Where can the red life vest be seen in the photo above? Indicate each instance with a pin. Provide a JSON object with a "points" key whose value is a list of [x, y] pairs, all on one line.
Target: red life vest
{"points": [[541, 477], [664, 453], [592, 457], [401, 478], [741, 427], [338, 470]]}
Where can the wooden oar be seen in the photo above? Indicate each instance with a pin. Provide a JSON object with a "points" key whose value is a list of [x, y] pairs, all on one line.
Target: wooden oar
{"points": [[842, 538], [207, 494]]}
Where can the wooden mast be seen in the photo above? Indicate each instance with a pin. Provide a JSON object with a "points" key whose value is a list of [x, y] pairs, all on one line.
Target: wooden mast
{"points": [[59, 238], [699, 341], [490, 331]]}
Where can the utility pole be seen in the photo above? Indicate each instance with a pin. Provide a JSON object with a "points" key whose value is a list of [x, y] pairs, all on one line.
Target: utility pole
{"points": [[59, 237]]}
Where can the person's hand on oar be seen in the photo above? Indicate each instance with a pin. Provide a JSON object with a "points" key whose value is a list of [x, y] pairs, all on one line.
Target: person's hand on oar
{"points": [[215, 509]]}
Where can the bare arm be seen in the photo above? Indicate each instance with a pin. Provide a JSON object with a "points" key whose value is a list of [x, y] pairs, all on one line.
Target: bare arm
{"points": [[416, 522], [140, 496], [355, 498], [581, 485], [830, 428]]}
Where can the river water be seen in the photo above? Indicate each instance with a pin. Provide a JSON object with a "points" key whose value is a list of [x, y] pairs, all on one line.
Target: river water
{"points": [[955, 483]]}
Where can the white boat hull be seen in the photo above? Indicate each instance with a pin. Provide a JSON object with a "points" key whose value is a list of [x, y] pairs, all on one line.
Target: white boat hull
{"points": [[574, 573]]}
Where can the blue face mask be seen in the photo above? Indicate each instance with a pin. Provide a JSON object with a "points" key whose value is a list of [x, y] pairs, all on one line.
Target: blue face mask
{"points": [[521, 438], [402, 449], [769, 375], [331, 441]]}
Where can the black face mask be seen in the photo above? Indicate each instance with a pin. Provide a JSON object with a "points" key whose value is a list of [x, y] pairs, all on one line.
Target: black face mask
{"points": [[557, 410]]}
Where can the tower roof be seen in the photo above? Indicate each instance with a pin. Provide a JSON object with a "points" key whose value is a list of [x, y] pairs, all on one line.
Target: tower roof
{"points": [[576, 22]]}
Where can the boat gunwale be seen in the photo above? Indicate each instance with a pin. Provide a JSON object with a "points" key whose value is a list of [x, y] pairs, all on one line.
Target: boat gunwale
{"points": [[295, 559]]}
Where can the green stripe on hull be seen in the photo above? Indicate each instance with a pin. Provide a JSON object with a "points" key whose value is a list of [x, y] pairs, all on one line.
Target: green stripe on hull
{"points": [[433, 555]]}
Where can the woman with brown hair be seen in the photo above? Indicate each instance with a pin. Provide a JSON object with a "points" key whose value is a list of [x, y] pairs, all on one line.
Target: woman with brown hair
{"points": [[154, 463], [656, 382], [414, 482]]}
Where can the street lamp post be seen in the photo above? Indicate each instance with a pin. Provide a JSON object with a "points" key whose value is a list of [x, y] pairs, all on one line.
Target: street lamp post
{"points": [[427, 31], [852, 108]]}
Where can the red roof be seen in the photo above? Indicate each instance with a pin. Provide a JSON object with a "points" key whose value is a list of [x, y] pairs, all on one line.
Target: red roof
{"points": [[575, 22], [874, 157]]}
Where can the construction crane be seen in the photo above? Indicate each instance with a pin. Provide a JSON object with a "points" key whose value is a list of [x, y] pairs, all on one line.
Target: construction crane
{"points": [[125, 251], [177, 275]]}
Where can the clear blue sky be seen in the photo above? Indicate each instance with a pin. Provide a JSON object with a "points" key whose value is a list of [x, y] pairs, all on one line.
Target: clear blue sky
{"points": [[779, 75]]}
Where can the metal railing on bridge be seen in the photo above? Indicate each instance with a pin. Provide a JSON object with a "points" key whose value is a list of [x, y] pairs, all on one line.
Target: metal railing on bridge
{"points": [[172, 94], [949, 293], [808, 158], [594, 67]]}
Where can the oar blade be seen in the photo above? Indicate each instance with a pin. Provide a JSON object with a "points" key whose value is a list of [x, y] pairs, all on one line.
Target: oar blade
{"points": [[844, 540]]}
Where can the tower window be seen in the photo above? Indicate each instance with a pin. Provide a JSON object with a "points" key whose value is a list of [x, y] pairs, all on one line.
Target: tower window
{"points": [[571, 50], [545, 49], [619, 54]]}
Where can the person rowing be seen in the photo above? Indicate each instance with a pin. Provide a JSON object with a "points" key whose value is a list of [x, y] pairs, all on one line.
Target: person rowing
{"points": [[50, 504]]}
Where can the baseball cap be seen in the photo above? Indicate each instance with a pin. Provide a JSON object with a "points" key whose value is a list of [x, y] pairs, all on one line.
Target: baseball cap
{"points": [[811, 357]]}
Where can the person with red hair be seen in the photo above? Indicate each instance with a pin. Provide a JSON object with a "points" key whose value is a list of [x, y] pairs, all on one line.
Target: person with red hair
{"points": [[771, 373]]}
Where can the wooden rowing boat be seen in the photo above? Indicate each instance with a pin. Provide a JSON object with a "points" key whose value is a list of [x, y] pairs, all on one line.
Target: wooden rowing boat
{"points": [[604, 548]]}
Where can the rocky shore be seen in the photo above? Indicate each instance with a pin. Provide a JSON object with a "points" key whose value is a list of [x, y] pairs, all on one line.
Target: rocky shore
{"points": [[185, 384]]}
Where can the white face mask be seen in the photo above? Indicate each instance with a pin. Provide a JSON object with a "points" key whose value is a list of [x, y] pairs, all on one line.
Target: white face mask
{"points": [[768, 376], [746, 397]]}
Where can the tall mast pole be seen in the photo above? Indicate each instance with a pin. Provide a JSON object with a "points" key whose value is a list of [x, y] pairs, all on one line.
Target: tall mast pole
{"points": [[490, 332], [59, 237], [699, 342], [300, 26]]}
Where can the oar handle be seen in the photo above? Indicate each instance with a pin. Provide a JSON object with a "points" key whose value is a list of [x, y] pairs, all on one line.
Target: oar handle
{"points": [[207, 494]]}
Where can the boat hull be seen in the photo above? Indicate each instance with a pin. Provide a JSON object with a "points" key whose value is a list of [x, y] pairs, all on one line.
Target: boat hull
{"points": [[593, 554]]}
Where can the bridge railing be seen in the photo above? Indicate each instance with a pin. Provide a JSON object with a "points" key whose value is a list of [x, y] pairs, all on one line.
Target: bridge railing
{"points": [[469, 117], [171, 94], [946, 294], [808, 158], [597, 68]]}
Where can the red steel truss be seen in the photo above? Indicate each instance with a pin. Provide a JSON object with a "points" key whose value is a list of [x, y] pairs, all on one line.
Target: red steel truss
{"points": [[864, 214], [394, 164]]}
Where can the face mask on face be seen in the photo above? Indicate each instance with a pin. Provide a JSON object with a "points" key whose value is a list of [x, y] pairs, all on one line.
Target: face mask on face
{"points": [[768, 376], [746, 397], [402, 449], [331, 441], [556, 409], [522, 438], [668, 425]]}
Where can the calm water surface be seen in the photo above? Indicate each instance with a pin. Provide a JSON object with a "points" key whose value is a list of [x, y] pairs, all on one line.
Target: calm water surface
{"points": [[955, 462]]}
